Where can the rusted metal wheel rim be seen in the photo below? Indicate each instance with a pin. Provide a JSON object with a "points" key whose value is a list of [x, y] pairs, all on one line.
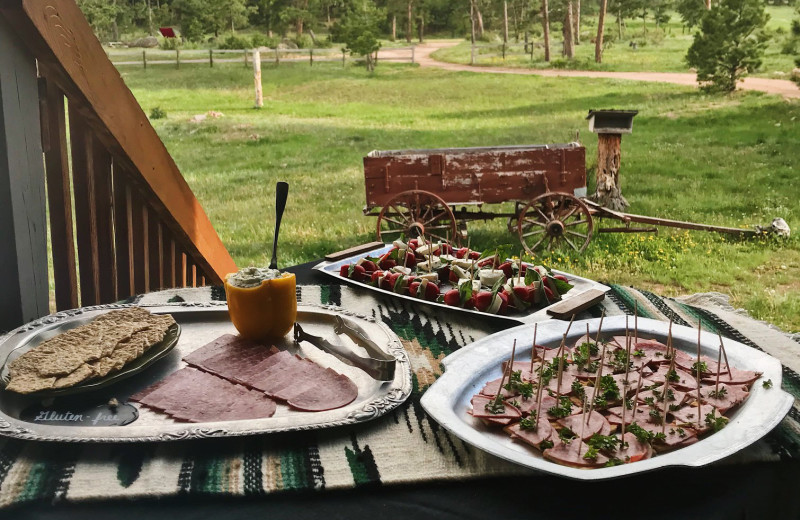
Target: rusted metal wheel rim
{"points": [[553, 220], [416, 213]]}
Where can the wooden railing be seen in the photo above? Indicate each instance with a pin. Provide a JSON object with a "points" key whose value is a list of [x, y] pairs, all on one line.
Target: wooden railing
{"points": [[137, 225]]}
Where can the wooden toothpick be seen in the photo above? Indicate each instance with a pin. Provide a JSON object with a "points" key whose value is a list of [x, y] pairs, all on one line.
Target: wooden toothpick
{"points": [[583, 425], [506, 371], [599, 327], [636, 324], [725, 354], [665, 394], [699, 331], [533, 347], [719, 367]]}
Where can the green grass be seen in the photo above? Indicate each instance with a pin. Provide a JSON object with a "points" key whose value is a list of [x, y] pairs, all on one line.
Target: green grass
{"points": [[718, 160], [663, 50]]}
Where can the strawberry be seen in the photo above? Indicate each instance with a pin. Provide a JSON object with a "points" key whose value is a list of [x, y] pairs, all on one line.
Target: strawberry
{"points": [[399, 283], [431, 292], [344, 271], [369, 266], [549, 293], [474, 255], [524, 293], [413, 243], [387, 283], [561, 277], [375, 277], [462, 253], [386, 263], [452, 276], [452, 298], [411, 260], [508, 269], [488, 262], [486, 302], [446, 249]]}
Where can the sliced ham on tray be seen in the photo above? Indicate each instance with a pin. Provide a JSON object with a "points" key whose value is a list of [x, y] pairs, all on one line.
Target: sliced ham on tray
{"points": [[301, 383], [685, 381], [490, 389], [727, 397], [595, 423], [479, 410], [632, 450], [736, 376], [196, 396], [572, 454], [614, 415], [533, 437]]}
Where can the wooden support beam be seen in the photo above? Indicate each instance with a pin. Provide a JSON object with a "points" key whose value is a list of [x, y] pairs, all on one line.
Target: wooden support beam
{"points": [[59, 198], [81, 143], [104, 213], [137, 242], [23, 226], [154, 254], [122, 233]]}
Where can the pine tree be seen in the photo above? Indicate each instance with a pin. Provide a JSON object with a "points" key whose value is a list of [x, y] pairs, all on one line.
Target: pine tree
{"points": [[730, 44]]}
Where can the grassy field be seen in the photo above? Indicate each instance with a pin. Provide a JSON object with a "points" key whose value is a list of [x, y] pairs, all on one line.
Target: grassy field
{"points": [[719, 160], [663, 50]]}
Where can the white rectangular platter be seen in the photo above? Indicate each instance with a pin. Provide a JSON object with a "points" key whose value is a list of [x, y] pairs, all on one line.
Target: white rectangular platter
{"points": [[580, 284], [202, 323], [467, 370]]}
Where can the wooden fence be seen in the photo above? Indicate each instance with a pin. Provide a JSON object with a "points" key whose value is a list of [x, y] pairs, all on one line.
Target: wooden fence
{"points": [[72, 130], [500, 50], [150, 57]]}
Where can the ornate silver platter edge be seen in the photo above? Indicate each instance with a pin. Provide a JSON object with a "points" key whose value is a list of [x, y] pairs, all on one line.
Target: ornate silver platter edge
{"points": [[383, 396], [581, 285], [468, 369]]}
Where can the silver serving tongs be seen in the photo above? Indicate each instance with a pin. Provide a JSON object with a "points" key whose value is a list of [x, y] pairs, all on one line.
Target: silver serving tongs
{"points": [[379, 365]]}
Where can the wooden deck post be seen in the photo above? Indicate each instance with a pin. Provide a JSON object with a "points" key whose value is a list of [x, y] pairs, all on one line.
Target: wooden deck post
{"points": [[609, 153], [23, 225]]}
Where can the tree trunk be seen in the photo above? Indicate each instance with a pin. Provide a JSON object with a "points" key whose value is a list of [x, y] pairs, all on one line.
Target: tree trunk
{"points": [[708, 5], [479, 18], [608, 192], [472, 20], [299, 27], [619, 24], [644, 22], [576, 33], [569, 50], [394, 27], [114, 27], [408, 26], [150, 18], [505, 22], [598, 46], [546, 24], [421, 28]]}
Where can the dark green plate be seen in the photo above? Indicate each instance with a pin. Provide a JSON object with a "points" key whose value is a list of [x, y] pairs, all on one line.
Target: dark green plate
{"points": [[153, 354]]}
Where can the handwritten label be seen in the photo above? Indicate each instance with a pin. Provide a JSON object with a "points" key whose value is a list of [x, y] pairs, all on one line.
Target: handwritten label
{"points": [[102, 415]]}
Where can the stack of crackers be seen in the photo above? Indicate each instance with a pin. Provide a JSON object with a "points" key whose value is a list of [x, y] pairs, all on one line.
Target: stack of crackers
{"points": [[102, 346]]}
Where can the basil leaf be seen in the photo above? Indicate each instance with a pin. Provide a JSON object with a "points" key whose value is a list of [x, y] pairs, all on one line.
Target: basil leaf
{"points": [[465, 292], [531, 275], [561, 285], [350, 270]]}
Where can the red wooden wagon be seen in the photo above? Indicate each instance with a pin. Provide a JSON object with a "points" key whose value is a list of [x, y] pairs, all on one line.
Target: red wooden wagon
{"points": [[428, 192], [436, 192]]}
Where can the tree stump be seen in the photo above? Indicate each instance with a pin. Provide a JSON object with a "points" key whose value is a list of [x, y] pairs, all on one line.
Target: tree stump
{"points": [[608, 192]]}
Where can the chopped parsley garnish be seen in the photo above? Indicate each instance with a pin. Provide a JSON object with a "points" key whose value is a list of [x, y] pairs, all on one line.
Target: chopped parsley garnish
{"points": [[516, 384], [629, 403], [681, 432], [495, 406], [562, 409], [578, 389], [544, 445], [609, 389], [614, 462], [528, 423], [603, 442], [650, 401], [655, 415], [703, 367], [566, 435], [718, 394], [591, 454], [620, 361], [767, 383], [515, 403], [640, 433], [659, 437], [638, 353], [673, 376], [716, 423]]}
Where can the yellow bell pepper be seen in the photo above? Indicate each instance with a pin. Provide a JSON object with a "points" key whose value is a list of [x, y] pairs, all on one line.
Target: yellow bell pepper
{"points": [[267, 311]]}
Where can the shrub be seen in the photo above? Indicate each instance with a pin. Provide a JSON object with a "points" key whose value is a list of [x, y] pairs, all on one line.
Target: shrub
{"points": [[303, 41], [234, 42], [262, 40], [157, 113], [170, 44], [193, 31]]}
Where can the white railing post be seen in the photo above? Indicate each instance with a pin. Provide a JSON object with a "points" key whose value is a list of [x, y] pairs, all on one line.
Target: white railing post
{"points": [[23, 224]]}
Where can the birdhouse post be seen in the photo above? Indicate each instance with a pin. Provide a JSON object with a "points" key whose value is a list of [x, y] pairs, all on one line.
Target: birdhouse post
{"points": [[609, 125]]}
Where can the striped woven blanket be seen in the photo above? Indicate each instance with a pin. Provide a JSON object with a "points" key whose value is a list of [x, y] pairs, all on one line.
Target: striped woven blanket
{"points": [[403, 446]]}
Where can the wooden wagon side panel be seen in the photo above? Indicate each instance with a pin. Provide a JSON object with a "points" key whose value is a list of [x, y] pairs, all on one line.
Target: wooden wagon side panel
{"points": [[467, 176]]}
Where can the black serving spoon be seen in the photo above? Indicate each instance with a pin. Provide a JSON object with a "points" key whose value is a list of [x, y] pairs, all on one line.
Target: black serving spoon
{"points": [[281, 194]]}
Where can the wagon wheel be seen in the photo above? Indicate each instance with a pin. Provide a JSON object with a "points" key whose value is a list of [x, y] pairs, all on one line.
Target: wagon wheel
{"points": [[416, 213], [553, 219]]}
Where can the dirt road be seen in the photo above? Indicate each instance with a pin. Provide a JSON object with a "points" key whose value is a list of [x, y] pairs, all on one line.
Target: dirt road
{"points": [[782, 87]]}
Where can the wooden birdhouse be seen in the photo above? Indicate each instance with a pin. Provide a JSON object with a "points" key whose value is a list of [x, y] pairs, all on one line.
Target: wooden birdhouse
{"points": [[609, 125]]}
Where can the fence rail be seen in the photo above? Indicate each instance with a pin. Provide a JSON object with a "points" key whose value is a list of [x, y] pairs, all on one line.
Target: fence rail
{"points": [[149, 57]]}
